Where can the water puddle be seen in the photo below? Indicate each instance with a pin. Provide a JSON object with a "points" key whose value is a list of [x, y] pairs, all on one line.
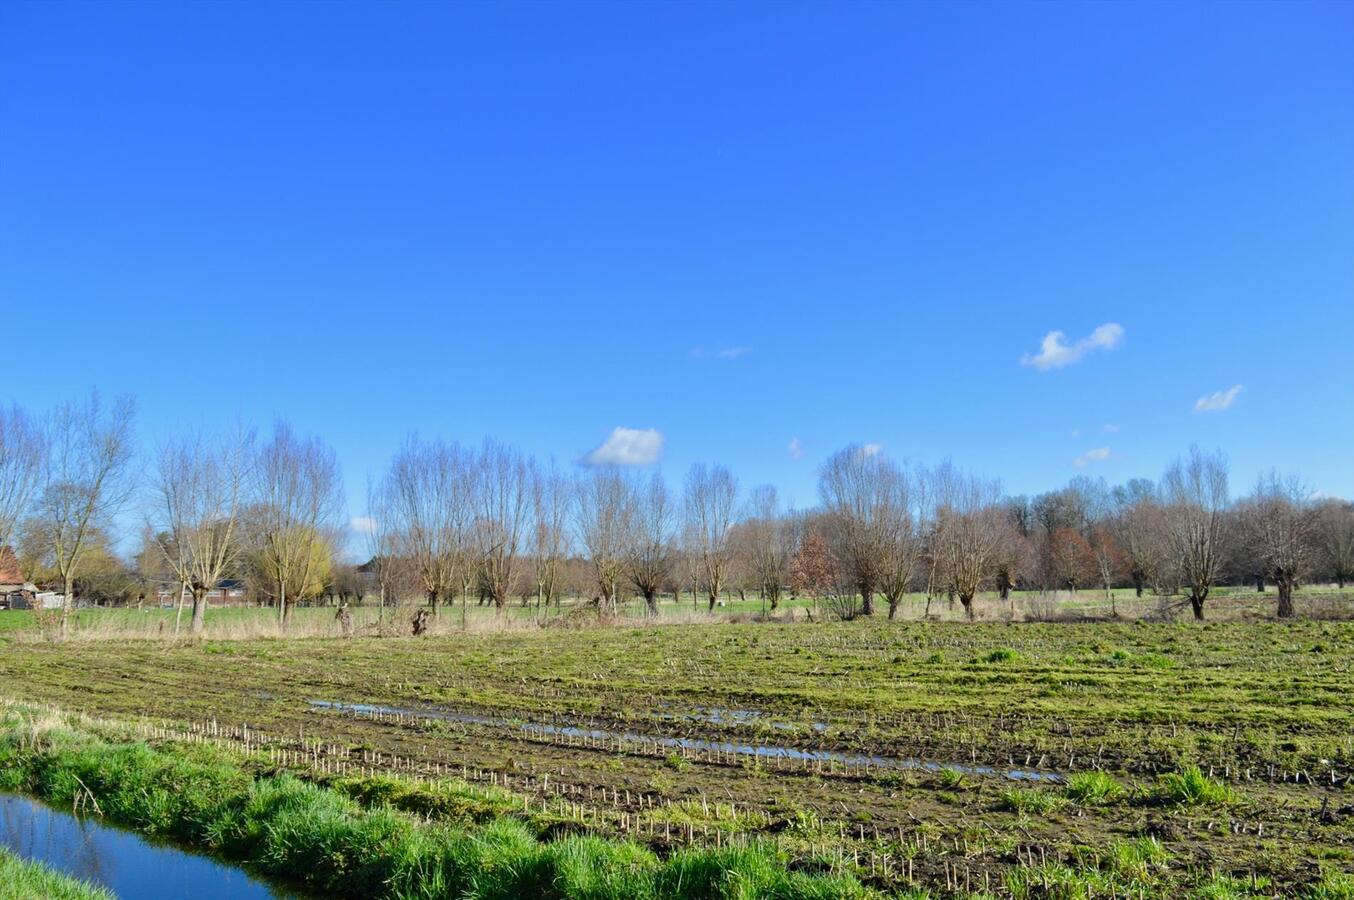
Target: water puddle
{"points": [[125, 863], [720, 715], [760, 751]]}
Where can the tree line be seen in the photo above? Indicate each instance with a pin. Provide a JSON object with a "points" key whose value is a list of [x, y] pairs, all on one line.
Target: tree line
{"points": [[448, 521]]}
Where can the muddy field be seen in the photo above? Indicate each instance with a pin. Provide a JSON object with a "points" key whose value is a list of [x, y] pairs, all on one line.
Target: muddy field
{"points": [[946, 756]]}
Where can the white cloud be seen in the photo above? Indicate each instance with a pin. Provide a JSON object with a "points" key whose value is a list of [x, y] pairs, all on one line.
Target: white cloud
{"points": [[628, 447], [1090, 456], [795, 449], [871, 449], [1075, 432], [1110, 429], [719, 352], [362, 524], [1218, 400], [1055, 352]]}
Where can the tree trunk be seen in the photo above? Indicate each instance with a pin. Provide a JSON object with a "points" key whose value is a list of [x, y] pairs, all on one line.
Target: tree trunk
{"points": [[1197, 603], [867, 600], [967, 601], [651, 600], [893, 607], [1259, 584], [1284, 582], [1138, 580], [1285, 601], [67, 601], [199, 611], [282, 603], [178, 607]]}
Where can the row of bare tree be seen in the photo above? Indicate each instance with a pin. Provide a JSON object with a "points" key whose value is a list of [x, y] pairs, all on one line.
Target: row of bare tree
{"points": [[456, 521], [213, 506], [493, 522]]}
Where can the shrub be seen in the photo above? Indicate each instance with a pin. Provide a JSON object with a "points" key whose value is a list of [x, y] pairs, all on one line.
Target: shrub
{"points": [[1002, 655]]}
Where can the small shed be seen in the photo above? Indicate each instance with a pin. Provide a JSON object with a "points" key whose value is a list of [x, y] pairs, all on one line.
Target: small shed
{"points": [[15, 593]]}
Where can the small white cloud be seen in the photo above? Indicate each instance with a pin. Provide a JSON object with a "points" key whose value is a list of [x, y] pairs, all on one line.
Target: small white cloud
{"points": [[1075, 432], [871, 449], [1218, 400], [1090, 456], [795, 449], [628, 447], [1110, 429], [362, 525], [719, 352], [1055, 352]]}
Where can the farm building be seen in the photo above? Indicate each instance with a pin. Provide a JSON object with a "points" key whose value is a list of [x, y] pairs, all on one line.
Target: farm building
{"points": [[15, 592], [227, 592]]}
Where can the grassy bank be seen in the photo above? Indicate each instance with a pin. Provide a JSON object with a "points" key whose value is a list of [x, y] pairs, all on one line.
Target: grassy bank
{"points": [[22, 880], [330, 842]]}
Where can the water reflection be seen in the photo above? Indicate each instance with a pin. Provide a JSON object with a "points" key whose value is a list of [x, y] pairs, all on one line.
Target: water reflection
{"points": [[762, 751], [119, 860]]}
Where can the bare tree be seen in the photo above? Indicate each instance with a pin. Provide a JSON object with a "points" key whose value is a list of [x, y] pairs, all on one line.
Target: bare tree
{"points": [[710, 496], [768, 543], [904, 527], [1283, 524], [428, 502], [651, 550], [1016, 555], [386, 562], [1111, 562], [875, 508], [967, 534], [811, 560], [503, 516], [198, 489], [1139, 524], [21, 457], [604, 514], [298, 506], [854, 486], [1071, 559], [1335, 537], [551, 497], [84, 483], [1195, 489]]}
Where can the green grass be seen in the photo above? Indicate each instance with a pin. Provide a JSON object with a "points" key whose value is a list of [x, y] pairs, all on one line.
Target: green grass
{"points": [[1191, 787], [1093, 788], [23, 880], [1030, 801], [336, 845]]}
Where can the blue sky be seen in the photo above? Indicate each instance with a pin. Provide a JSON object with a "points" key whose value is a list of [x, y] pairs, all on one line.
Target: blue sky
{"points": [[739, 225]]}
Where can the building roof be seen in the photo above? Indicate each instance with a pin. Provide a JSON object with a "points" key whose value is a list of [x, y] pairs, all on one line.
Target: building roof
{"points": [[9, 567]]}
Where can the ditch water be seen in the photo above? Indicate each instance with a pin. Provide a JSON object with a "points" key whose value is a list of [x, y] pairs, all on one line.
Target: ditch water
{"points": [[763, 751], [125, 863]]}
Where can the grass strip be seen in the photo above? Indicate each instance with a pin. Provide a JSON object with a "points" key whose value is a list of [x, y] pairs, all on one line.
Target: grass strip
{"points": [[24, 880], [329, 842]]}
